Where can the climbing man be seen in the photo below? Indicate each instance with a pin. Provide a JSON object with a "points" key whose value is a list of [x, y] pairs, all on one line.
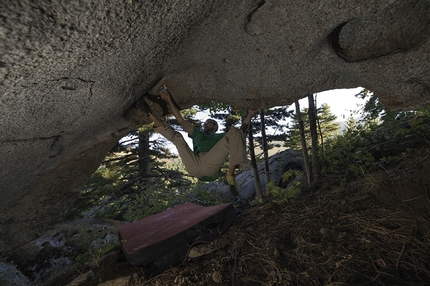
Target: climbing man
{"points": [[210, 148]]}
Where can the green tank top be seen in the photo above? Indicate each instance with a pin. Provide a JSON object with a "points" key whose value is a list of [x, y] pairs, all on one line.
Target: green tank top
{"points": [[204, 142]]}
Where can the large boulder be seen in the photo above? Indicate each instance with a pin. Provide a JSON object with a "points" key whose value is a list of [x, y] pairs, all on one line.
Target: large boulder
{"points": [[66, 249], [278, 163], [70, 70], [11, 276]]}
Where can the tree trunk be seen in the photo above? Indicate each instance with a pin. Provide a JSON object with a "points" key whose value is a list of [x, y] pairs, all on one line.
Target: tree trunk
{"points": [[303, 142], [321, 135], [143, 152], [314, 138], [258, 191], [265, 148]]}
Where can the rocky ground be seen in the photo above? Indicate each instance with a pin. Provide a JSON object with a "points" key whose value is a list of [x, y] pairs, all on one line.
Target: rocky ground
{"points": [[374, 231]]}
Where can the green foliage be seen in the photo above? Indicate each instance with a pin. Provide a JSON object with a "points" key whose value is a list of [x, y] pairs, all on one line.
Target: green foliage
{"points": [[199, 194], [100, 194], [224, 112], [283, 195], [328, 127], [372, 109], [375, 140], [150, 201], [112, 188], [289, 176], [109, 194], [274, 120], [294, 182], [95, 252], [153, 200]]}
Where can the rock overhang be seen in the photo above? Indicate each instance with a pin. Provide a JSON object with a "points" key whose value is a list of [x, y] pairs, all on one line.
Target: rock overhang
{"points": [[70, 70]]}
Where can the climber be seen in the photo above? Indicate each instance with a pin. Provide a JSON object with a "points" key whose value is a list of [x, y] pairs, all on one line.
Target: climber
{"points": [[210, 148]]}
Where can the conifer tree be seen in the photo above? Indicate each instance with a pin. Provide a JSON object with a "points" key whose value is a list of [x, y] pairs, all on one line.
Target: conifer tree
{"points": [[328, 127], [265, 147], [315, 149], [302, 139]]}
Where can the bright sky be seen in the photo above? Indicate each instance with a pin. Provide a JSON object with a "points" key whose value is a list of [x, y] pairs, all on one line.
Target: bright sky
{"points": [[341, 102]]}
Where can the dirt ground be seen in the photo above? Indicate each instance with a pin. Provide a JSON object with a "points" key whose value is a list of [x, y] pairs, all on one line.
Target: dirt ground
{"points": [[375, 231]]}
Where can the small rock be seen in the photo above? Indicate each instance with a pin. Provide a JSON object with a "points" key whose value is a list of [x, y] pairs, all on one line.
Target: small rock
{"points": [[217, 277], [381, 263]]}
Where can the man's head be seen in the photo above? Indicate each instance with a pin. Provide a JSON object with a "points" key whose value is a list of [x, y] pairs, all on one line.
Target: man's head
{"points": [[210, 126]]}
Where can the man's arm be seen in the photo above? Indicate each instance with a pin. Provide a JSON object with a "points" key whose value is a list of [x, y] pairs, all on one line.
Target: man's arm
{"points": [[247, 119], [187, 126]]}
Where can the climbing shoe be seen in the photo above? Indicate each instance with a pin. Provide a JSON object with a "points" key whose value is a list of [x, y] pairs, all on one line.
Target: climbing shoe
{"points": [[231, 182], [142, 105]]}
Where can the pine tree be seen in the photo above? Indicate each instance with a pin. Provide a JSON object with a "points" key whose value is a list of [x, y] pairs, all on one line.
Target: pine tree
{"points": [[275, 125], [303, 145], [351, 123], [327, 122], [133, 166], [316, 143], [375, 139]]}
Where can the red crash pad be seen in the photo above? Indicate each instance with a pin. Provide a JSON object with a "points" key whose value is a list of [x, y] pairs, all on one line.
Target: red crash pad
{"points": [[163, 240]]}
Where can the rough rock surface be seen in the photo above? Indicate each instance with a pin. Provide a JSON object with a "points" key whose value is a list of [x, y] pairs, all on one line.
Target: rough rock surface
{"points": [[65, 250], [11, 276], [70, 70]]}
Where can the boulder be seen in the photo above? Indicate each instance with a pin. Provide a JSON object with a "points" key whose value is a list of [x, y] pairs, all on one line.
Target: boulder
{"points": [[70, 70], [278, 164], [11, 276], [67, 249]]}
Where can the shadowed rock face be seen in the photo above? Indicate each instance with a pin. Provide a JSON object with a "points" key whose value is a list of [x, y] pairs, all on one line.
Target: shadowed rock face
{"points": [[70, 70]]}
